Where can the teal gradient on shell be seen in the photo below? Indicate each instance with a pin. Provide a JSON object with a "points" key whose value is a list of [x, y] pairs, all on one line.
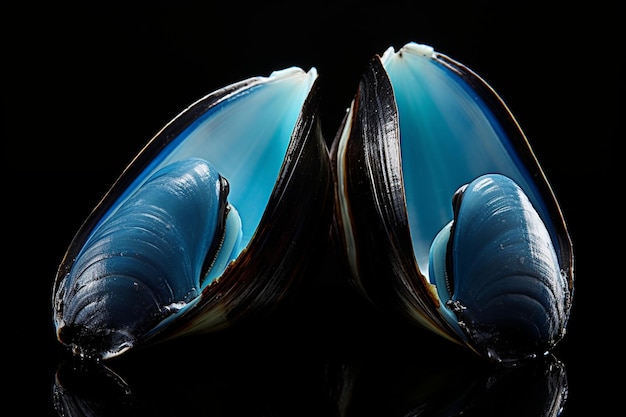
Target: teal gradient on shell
{"points": [[448, 137], [159, 237], [245, 137]]}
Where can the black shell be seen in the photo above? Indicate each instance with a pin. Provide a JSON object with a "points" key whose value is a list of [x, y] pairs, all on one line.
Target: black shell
{"points": [[293, 227], [372, 217]]}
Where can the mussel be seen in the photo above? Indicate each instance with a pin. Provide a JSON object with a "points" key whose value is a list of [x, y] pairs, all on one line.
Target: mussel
{"points": [[444, 212], [215, 220]]}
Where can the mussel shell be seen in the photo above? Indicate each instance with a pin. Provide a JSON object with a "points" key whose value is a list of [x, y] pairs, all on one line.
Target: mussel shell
{"points": [[376, 220], [497, 273], [292, 226]]}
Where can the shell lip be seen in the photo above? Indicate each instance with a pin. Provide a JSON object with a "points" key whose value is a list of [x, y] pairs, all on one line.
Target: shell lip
{"points": [[355, 153], [228, 296]]}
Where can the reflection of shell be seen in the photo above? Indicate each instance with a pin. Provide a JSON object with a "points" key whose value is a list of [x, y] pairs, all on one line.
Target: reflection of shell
{"points": [[406, 385], [421, 127], [214, 220]]}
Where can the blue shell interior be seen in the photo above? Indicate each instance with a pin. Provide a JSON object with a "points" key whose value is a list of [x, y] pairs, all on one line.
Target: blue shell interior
{"points": [[245, 137], [450, 138], [170, 242], [485, 228]]}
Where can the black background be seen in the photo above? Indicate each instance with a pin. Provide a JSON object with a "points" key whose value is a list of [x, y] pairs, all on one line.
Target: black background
{"points": [[85, 85]]}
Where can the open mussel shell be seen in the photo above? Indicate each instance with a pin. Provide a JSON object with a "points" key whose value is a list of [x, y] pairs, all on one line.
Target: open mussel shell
{"points": [[444, 211], [215, 220]]}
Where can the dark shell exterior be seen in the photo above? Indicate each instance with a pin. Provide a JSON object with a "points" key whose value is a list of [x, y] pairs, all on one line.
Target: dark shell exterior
{"points": [[294, 225], [372, 220]]}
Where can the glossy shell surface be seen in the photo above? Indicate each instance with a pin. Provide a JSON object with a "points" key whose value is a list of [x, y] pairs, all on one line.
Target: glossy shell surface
{"points": [[421, 129], [215, 220]]}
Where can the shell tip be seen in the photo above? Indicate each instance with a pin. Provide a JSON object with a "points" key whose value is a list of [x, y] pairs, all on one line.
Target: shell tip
{"points": [[293, 71], [414, 48], [387, 54], [419, 49]]}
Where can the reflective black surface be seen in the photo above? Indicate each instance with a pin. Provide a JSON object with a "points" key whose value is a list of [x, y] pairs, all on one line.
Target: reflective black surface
{"points": [[85, 86], [301, 366]]}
